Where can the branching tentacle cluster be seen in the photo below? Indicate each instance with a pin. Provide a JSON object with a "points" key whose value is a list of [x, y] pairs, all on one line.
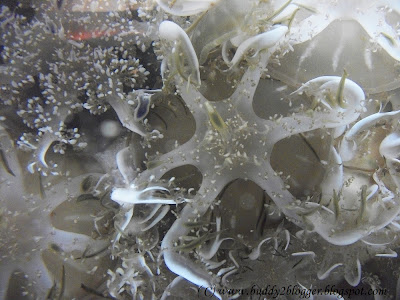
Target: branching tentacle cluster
{"points": [[231, 135]]}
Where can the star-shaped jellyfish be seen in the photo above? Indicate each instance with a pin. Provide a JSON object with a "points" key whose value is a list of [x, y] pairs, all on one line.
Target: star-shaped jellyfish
{"points": [[232, 142]]}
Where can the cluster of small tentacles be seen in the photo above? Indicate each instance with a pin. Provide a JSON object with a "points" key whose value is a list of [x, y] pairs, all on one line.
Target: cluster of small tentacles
{"points": [[223, 144]]}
